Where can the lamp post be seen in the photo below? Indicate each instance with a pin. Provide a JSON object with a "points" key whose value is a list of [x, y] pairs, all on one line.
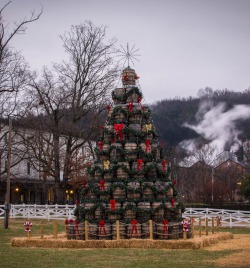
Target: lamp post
{"points": [[7, 199], [212, 185]]}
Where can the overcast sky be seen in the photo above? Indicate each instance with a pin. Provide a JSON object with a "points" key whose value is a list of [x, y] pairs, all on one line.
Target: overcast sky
{"points": [[185, 45]]}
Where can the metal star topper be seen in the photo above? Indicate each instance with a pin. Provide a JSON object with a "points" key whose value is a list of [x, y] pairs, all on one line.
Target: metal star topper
{"points": [[128, 54]]}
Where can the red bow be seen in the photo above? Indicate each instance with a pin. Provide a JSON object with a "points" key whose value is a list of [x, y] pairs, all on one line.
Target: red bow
{"points": [[130, 107], [174, 181], [84, 183], [100, 144], [76, 202], [125, 78], [147, 142], [102, 182], [102, 227], [172, 202], [112, 203], [118, 130], [101, 126], [139, 164], [108, 108], [164, 163], [134, 227], [165, 227]]}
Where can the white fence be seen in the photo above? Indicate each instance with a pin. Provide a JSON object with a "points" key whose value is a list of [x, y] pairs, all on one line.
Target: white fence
{"points": [[229, 218], [48, 212]]}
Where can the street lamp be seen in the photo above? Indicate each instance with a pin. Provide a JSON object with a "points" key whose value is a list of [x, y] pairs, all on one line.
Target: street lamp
{"points": [[7, 199], [212, 185]]}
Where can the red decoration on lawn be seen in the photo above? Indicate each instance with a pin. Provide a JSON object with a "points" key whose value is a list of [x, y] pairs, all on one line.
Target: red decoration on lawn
{"points": [[164, 163], [102, 182], [172, 202], [130, 107], [28, 225], [147, 142], [165, 227], [102, 227], [112, 203], [186, 223], [134, 228], [100, 144], [118, 130], [139, 164]]}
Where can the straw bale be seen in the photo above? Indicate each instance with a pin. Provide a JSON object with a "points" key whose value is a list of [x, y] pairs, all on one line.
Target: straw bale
{"points": [[194, 243]]}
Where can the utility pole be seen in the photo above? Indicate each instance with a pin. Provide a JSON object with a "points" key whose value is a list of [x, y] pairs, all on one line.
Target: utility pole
{"points": [[7, 200]]}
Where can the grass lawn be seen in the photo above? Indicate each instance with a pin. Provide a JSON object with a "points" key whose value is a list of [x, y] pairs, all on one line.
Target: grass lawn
{"points": [[32, 257]]}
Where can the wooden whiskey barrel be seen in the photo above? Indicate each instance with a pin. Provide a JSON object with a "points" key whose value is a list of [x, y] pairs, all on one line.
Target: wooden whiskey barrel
{"points": [[119, 95], [122, 232], [158, 213], [129, 210], [134, 195], [147, 192], [116, 152], [122, 174], [131, 150], [143, 214], [134, 231], [119, 193], [128, 77]]}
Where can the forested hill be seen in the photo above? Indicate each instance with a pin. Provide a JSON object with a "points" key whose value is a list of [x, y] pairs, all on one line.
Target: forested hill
{"points": [[169, 115]]}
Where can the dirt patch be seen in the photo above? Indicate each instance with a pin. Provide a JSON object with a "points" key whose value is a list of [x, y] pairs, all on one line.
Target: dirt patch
{"points": [[241, 258]]}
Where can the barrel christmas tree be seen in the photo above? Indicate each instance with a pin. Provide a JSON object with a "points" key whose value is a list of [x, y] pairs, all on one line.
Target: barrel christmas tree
{"points": [[130, 179]]}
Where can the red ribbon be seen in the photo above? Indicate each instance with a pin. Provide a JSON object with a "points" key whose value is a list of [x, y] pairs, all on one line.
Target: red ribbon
{"points": [[125, 78], [165, 227], [174, 181], [112, 203], [130, 107], [102, 227], [172, 202], [164, 163], [139, 164], [102, 182], [147, 142], [100, 144], [118, 130], [134, 227], [108, 108]]}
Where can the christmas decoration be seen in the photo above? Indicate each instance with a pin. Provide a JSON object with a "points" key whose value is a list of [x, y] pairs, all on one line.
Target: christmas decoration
{"points": [[130, 180], [27, 225]]}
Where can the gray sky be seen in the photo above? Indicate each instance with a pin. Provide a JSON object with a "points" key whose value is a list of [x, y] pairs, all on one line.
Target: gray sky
{"points": [[185, 45]]}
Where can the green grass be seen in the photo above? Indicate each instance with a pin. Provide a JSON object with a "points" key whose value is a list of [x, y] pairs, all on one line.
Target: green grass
{"points": [[122, 258]]}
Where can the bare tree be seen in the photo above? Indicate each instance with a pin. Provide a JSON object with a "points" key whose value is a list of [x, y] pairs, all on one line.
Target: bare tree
{"points": [[72, 94], [13, 69]]}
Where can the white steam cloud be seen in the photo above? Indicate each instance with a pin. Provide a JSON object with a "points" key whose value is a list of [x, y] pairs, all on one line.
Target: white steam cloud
{"points": [[217, 125]]}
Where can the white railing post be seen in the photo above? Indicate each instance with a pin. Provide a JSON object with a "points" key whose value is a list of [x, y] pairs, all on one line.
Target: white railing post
{"points": [[230, 220]]}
